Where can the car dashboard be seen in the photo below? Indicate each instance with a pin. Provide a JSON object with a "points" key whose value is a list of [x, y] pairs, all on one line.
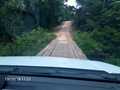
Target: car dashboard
{"points": [[54, 79]]}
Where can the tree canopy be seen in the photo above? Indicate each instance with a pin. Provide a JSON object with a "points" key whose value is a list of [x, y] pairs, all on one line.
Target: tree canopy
{"points": [[19, 16]]}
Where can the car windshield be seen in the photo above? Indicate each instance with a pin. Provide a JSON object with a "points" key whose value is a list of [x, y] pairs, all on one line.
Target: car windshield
{"points": [[76, 30]]}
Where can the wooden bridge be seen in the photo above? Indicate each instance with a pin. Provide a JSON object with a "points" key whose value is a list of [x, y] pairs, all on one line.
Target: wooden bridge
{"points": [[63, 45]]}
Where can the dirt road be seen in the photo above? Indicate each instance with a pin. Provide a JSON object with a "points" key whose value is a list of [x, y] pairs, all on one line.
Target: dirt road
{"points": [[63, 45]]}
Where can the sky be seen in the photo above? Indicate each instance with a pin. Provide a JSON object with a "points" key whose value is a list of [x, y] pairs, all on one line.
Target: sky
{"points": [[71, 3]]}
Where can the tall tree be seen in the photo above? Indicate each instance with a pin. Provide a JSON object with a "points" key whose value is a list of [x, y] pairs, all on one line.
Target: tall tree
{"points": [[18, 16]]}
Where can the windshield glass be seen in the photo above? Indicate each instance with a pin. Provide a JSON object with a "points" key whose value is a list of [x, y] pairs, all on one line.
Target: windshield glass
{"points": [[73, 29]]}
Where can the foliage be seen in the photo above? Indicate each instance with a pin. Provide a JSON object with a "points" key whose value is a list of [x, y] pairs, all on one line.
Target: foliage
{"points": [[68, 13], [28, 44], [89, 45], [100, 19], [93, 49], [14, 20], [50, 12], [19, 16]]}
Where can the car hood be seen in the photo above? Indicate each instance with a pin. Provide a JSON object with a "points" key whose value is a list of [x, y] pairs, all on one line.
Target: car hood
{"points": [[59, 63]]}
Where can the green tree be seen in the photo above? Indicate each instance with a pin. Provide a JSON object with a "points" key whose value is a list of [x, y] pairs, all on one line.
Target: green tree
{"points": [[101, 19], [19, 16]]}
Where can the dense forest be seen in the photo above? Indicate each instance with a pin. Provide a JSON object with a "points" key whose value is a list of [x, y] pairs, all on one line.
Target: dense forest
{"points": [[21, 20], [18, 16], [26, 26], [98, 24]]}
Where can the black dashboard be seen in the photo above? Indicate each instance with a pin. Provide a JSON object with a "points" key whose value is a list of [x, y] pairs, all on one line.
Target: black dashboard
{"points": [[48, 81]]}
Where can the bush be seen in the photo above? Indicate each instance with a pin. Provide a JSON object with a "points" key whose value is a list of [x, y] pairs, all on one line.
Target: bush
{"points": [[91, 48], [110, 39], [28, 44], [95, 49], [113, 60]]}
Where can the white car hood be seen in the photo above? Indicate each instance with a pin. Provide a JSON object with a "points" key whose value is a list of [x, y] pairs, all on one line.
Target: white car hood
{"points": [[60, 63]]}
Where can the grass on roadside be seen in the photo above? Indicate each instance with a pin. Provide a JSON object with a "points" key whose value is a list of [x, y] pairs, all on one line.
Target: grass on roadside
{"points": [[92, 48], [29, 44]]}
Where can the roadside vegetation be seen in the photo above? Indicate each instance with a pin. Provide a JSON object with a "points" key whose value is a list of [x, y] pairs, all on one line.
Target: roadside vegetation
{"points": [[98, 29], [93, 49], [26, 25], [29, 44]]}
